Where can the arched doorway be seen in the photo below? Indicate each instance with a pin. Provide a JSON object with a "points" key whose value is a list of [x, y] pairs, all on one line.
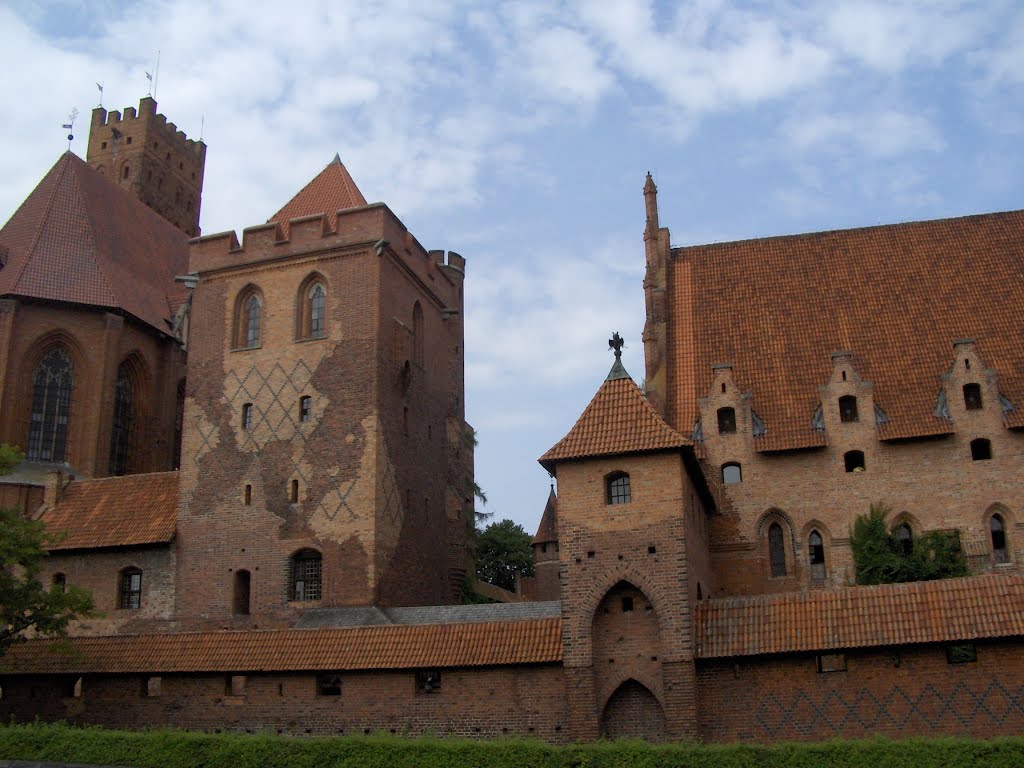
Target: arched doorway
{"points": [[633, 712]]}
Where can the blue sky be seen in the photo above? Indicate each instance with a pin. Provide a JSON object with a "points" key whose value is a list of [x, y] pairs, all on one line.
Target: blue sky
{"points": [[519, 134]]}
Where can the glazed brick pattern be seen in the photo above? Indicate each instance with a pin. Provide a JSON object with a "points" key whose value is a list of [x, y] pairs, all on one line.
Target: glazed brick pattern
{"points": [[897, 692], [527, 701]]}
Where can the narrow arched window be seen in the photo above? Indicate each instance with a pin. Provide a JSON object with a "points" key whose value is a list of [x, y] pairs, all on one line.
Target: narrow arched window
{"points": [[777, 550], [816, 555], [124, 416], [307, 570], [731, 473], [997, 528], [972, 397], [317, 299], [854, 461], [848, 409], [617, 488], [726, 421], [293, 492], [51, 406], [240, 598], [981, 449], [905, 537], [130, 592], [253, 311]]}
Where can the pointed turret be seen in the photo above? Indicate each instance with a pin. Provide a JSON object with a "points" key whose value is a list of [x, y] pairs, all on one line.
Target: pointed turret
{"points": [[545, 553], [330, 191]]}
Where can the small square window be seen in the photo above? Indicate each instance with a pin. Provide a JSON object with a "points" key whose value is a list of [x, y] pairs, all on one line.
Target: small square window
{"points": [[627, 605], [832, 662], [328, 684], [726, 421], [961, 653], [428, 681], [972, 397]]}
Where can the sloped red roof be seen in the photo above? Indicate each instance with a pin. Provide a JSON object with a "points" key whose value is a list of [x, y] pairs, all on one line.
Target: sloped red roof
{"points": [[115, 512], [548, 528], [855, 617], [533, 641], [897, 296], [79, 238], [618, 420], [330, 191]]}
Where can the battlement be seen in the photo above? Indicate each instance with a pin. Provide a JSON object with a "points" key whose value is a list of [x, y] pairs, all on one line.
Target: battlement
{"points": [[151, 123]]}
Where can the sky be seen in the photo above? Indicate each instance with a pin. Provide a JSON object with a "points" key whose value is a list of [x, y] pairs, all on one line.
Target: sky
{"points": [[519, 134]]}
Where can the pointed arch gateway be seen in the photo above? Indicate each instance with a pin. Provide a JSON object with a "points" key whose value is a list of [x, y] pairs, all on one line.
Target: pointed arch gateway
{"points": [[633, 712]]}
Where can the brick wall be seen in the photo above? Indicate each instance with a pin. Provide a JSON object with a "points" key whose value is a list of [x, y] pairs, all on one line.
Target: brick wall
{"points": [[526, 701], [895, 692]]}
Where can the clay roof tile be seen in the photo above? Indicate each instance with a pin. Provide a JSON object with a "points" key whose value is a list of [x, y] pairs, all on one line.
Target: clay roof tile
{"points": [[328, 192]]}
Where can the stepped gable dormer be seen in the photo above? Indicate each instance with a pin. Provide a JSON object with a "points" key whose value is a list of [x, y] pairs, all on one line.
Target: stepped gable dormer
{"points": [[618, 420], [328, 192]]}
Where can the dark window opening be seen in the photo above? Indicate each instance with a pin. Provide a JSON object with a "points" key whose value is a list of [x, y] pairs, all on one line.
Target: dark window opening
{"points": [[151, 686], [776, 550], [972, 397], [961, 653], [51, 405], [997, 527], [848, 409], [71, 688], [854, 461], [731, 473], [247, 416], [124, 416], [241, 597], [844, 375], [700, 591], [305, 408], [248, 495], [816, 555], [981, 449], [130, 593], [125, 172], [60, 581], [405, 420], [652, 550], [293, 494], [617, 488], [831, 662], [726, 421], [234, 685], [328, 684], [307, 570], [428, 681], [103, 145], [905, 537], [627, 604]]}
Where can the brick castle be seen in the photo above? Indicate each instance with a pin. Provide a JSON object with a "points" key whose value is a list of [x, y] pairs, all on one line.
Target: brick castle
{"points": [[257, 453]]}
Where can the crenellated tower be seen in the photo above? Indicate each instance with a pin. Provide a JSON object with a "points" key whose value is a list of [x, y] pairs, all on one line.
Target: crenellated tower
{"points": [[149, 156]]}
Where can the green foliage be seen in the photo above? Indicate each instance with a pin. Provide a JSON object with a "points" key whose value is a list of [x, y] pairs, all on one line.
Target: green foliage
{"points": [[502, 551], [24, 603], [10, 457], [176, 749], [879, 557]]}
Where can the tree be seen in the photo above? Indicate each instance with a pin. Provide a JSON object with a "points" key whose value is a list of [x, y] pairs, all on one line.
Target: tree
{"points": [[25, 606], [503, 550], [879, 556]]}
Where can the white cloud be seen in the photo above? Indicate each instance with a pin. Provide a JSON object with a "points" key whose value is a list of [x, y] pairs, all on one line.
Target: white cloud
{"points": [[884, 134]]}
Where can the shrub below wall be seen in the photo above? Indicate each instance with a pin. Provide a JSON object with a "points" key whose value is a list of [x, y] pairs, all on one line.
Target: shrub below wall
{"points": [[178, 749]]}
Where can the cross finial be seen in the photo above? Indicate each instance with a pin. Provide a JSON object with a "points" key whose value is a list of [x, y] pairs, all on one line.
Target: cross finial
{"points": [[616, 343]]}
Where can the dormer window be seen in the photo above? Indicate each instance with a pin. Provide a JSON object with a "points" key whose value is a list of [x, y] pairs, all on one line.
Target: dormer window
{"points": [[847, 409], [617, 488], [972, 397], [726, 421]]}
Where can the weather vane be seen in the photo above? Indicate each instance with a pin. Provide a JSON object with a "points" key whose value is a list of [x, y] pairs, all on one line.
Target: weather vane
{"points": [[616, 343], [69, 126], [99, 87]]}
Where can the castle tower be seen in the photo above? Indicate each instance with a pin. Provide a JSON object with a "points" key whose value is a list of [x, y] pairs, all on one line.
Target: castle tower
{"points": [[633, 547], [149, 156], [545, 552], [325, 454]]}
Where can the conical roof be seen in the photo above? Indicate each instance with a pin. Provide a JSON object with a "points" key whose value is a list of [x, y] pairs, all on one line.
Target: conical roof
{"points": [[618, 420], [330, 190], [79, 238], [547, 531]]}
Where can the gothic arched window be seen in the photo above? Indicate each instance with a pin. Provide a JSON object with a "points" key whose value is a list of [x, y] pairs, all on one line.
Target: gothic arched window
{"points": [[317, 297], [311, 308], [124, 414], [253, 311], [816, 555], [51, 405], [905, 537], [777, 549], [998, 530]]}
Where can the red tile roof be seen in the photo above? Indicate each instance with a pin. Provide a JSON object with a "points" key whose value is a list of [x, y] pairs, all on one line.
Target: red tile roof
{"points": [[618, 420], [897, 296], [535, 641], [856, 617], [548, 528], [115, 512], [330, 191], [79, 238]]}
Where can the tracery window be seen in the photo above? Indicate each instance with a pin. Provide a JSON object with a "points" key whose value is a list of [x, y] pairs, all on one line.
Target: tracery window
{"points": [[253, 310], [307, 571], [311, 308], [317, 297], [51, 405], [120, 433]]}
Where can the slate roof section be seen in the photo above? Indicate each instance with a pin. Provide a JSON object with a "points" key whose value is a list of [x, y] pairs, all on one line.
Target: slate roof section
{"points": [[127, 511], [500, 643], [79, 238], [428, 614], [947, 610], [330, 191], [618, 420], [547, 531], [897, 296]]}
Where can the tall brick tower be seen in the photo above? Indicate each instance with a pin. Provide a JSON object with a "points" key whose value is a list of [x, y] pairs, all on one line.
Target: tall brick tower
{"points": [[633, 548], [144, 153], [325, 460]]}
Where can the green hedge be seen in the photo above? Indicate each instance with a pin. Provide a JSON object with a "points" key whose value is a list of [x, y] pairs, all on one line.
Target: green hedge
{"points": [[177, 749]]}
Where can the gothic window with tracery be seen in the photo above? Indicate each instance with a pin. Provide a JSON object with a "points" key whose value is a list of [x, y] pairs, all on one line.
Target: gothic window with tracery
{"points": [[51, 405], [120, 433]]}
